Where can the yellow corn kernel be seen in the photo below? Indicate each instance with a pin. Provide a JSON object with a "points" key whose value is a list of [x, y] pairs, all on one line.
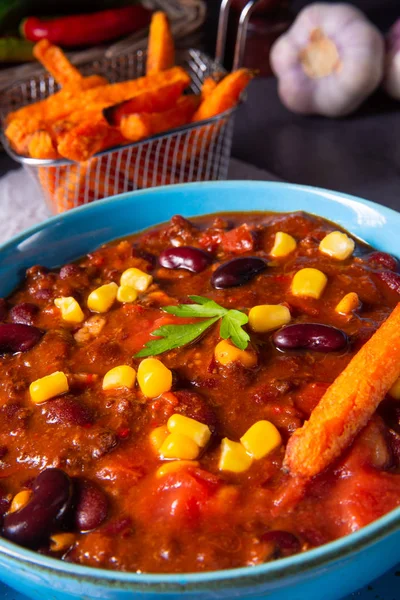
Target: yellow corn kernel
{"points": [[102, 298], [226, 353], [337, 245], [309, 283], [154, 378], [20, 500], [395, 390], [47, 387], [348, 304], [70, 309], [261, 439], [174, 466], [158, 436], [126, 294], [197, 431], [267, 317], [60, 542], [137, 279], [233, 457], [284, 244], [179, 446], [119, 377]]}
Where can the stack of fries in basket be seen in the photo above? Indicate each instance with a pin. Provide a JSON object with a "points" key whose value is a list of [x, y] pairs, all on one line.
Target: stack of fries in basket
{"points": [[89, 115]]}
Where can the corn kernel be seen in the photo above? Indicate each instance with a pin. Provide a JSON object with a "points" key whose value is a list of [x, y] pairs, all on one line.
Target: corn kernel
{"points": [[61, 541], [154, 378], [337, 245], [20, 500], [174, 466], [119, 377], [348, 304], [70, 309], [267, 317], [284, 244], [137, 279], [102, 298], [47, 387], [261, 439], [226, 353], [158, 436], [126, 294], [309, 282], [197, 431], [233, 457], [395, 390], [179, 446]]}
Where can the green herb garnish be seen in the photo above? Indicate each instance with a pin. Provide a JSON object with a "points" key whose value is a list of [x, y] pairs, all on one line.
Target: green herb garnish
{"points": [[175, 336]]}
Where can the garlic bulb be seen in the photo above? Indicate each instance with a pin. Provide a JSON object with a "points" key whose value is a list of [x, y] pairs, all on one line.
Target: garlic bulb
{"points": [[391, 81], [329, 61]]}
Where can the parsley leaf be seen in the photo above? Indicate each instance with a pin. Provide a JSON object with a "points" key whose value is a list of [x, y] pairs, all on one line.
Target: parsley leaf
{"points": [[231, 327], [175, 336]]}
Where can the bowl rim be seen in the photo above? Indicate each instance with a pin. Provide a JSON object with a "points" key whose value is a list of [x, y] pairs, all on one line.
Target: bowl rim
{"points": [[333, 551]]}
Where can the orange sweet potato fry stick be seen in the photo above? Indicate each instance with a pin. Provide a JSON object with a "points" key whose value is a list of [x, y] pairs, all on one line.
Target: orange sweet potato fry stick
{"points": [[148, 101], [88, 137], [225, 96], [41, 145], [20, 131], [209, 85], [139, 126], [56, 63], [348, 404], [160, 50]]}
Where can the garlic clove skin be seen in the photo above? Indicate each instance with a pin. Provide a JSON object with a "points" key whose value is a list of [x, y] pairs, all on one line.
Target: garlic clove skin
{"points": [[391, 81], [329, 61]]}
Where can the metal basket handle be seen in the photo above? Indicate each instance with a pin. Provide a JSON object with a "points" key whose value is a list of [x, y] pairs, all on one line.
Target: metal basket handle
{"points": [[241, 33]]}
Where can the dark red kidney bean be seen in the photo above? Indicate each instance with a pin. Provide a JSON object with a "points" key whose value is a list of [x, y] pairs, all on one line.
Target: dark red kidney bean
{"points": [[15, 337], [382, 259], [310, 336], [91, 505], [3, 309], [392, 280], [70, 270], [23, 313], [185, 257], [50, 503], [237, 271], [285, 543], [68, 411]]}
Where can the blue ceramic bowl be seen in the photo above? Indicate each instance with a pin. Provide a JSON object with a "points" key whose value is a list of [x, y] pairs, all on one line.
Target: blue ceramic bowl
{"points": [[329, 572]]}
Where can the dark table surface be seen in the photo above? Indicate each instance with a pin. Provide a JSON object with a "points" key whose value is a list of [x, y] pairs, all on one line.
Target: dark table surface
{"points": [[359, 155]]}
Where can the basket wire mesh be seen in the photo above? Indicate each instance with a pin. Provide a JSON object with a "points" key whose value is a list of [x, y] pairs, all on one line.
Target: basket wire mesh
{"points": [[196, 152]]}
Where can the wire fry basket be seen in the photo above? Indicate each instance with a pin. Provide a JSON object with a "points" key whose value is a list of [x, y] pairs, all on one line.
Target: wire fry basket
{"points": [[195, 152]]}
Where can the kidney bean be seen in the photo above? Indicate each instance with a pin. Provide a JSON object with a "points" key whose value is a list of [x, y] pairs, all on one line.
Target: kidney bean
{"points": [[91, 505], [3, 309], [392, 280], [50, 503], [23, 313], [382, 259], [68, 411], [237, 271], [15, 337], [185, 257], [147, 256], [310, 336], [285, 543]]}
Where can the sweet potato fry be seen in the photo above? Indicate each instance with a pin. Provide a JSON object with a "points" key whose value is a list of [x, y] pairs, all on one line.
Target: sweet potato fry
{"points": [[348, 404], [139, 126], [41, 145], [19, 132], [148, 101], [87, 138], [56, 63], [160, 49], [225, 96], [209, 85]]}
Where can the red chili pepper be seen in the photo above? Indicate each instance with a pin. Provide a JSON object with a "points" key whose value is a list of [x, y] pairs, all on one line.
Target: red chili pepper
{"points": [[87, 29]]}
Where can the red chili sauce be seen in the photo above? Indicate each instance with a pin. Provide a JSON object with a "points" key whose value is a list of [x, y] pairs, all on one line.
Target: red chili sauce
{"points": [[106, 490]]}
